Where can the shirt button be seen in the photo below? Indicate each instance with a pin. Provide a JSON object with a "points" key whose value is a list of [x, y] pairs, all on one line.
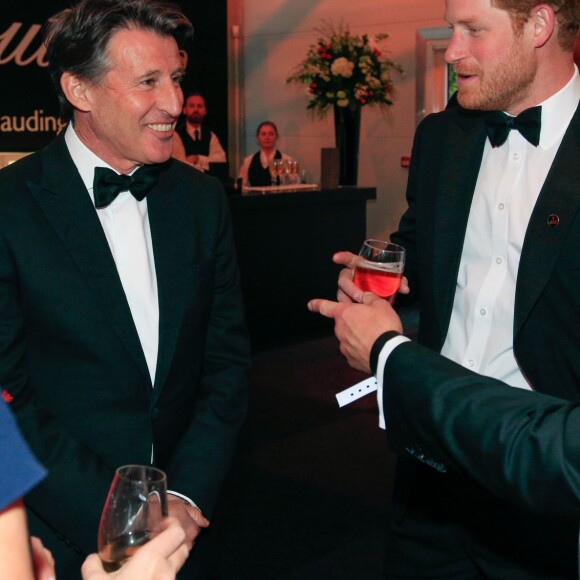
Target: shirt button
{"points": [[516, 156], [471, 363], [501, 206], [499, 261], [483, 311]]}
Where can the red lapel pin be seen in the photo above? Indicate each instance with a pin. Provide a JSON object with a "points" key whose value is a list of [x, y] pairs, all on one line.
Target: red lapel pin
{"points": [[7, 396]]}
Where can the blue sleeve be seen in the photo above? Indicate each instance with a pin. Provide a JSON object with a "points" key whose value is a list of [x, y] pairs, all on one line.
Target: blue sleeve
{"points": [[19, 469]]}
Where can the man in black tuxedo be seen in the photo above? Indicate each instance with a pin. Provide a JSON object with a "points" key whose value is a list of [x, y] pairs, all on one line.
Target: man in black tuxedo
{"points": [[123, 336], [492, 236]]}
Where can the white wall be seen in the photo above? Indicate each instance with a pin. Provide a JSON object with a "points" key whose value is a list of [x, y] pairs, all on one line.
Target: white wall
{"points": [[275, 36]]}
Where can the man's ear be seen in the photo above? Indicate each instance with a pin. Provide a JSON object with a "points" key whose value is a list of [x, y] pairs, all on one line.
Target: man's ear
{"points": [[76, 91], [543, 20]]}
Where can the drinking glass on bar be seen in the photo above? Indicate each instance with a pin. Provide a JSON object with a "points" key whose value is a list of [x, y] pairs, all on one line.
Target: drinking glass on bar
{"points": [[273, 168], [288, 172], [380, 268], [281, 171], [295, 172], [134, 509]]}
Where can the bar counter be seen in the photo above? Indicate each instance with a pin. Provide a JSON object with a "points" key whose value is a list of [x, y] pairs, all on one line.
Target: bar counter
{"points": [[285, 242]]}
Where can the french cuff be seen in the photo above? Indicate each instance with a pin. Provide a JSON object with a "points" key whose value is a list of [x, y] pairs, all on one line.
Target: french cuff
{"points": [[183, 497], [386, 346], [378, 347]]}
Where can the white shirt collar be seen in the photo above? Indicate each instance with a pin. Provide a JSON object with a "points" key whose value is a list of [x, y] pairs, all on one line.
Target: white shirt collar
{"points": [[558, 110], [83, 157]]}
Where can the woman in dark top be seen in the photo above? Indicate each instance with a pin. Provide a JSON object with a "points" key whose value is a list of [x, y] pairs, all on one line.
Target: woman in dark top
{"points": [[255, 171]]}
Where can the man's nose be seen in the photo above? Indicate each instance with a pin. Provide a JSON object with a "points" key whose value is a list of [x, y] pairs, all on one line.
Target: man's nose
{"points": [[456, 49], [171, 99]]}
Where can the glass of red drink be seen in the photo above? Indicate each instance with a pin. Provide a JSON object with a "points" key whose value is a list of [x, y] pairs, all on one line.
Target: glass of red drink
{"points": [[380, 268]]}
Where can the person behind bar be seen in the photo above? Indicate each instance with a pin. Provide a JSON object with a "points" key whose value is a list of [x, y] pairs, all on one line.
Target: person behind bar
{"points": [[194, 142], [255, 169]]}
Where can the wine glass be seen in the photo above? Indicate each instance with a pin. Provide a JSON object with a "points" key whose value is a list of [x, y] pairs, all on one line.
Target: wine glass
{"points": [[134, 509], [380, 268]]}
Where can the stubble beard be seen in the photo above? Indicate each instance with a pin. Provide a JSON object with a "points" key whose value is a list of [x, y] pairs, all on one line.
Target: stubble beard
{"points": [[195, 119], [502, 88]]}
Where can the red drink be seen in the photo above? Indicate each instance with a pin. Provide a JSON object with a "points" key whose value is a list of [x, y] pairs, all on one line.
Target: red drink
{"points": [[380, 279]]}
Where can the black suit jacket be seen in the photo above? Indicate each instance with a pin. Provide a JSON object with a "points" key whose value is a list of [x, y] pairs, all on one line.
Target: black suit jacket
{"points": [[71, 357], [445, 163], [522, 446]]}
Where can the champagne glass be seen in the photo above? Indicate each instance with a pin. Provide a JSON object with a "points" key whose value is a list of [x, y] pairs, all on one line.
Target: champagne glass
{"points": [[134, 509], [273, 168], [295, 172], [380, 268], [281, 171], [288, 172]]}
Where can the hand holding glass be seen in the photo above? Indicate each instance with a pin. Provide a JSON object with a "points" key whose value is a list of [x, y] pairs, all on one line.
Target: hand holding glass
{"points": [[135, 507], [380, 268]]}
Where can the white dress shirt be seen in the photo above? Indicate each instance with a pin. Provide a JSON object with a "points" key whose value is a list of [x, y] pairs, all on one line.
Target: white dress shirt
{"points": [[216, 152], [126, 226]]}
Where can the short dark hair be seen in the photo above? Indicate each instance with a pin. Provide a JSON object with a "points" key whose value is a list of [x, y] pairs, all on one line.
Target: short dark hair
{"points": [[567, 15], [77, 38], [193, 94]]}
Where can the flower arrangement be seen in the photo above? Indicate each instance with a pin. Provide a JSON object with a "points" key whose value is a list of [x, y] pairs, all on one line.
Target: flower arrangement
{"points": [[347, 70]]}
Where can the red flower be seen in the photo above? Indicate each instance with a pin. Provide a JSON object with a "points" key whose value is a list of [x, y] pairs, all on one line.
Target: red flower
{"points": [[7, 396]]}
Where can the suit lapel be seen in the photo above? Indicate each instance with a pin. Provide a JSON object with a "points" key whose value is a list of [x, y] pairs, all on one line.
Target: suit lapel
{"points": [[461, 160], [560, 197], [62, 197], [170, 262]]}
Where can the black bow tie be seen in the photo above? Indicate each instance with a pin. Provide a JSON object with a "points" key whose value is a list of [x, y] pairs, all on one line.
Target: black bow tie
{"points": [[528, 123], [107, 184]]}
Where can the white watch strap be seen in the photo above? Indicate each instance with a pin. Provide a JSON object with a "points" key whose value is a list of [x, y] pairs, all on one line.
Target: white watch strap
{"points": [[356, 391]]}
